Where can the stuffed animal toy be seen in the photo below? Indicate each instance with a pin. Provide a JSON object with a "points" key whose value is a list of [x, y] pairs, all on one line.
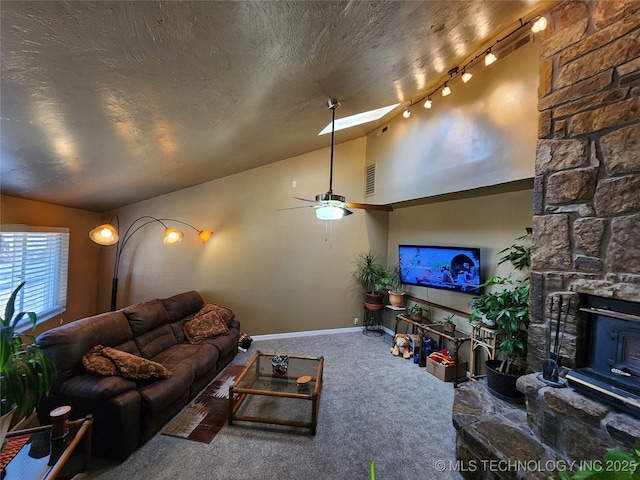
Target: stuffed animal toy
{"points": [[401, 346]]}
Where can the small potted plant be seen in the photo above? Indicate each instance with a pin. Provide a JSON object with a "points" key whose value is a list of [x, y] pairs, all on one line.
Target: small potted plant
{"points": [[396, 295], [415, 312], [26, 374], [374, 278], [448, 324]]}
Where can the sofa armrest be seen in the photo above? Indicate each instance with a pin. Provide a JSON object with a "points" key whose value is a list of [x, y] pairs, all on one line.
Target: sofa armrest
{"points": [[234, 324], [96, 387]]}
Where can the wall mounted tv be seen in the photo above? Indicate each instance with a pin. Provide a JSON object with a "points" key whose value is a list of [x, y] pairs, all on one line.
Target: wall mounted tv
{"points": [[449, 268]]}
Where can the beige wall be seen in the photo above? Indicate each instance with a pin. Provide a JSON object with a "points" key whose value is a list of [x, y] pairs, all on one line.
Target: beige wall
{"points": [[491, 222], [83, 253], [279, 271], [483, 134]]}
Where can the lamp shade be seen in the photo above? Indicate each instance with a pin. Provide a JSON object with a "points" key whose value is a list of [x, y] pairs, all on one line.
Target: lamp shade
{"points": [[204, 235], [329, 213], [172, 236], [104, 234]]}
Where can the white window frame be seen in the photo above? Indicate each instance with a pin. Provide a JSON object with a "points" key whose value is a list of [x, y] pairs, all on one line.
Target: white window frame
{"points": [[38, 256]]}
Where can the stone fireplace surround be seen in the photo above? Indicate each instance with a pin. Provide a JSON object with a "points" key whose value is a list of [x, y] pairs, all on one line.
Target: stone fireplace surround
{"points": [[586, 228]]}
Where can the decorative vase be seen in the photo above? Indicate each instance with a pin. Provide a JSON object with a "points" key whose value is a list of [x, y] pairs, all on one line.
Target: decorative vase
{"points": [[280, 365]]}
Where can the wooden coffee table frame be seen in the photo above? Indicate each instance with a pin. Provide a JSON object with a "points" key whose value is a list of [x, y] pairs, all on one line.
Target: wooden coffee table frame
{"points": [[237, 394]]}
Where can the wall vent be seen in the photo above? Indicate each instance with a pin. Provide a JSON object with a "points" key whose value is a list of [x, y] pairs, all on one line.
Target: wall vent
{"points": [[514, 45], [370, 180]]}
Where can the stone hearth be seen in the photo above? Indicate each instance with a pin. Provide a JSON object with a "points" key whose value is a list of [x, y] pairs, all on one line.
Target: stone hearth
{"points": [[498, 440], [586, 227]]}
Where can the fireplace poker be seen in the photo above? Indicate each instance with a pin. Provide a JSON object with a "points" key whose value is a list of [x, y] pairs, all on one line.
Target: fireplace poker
{"points": [[564, 324], [547, 364], [555, 347]]}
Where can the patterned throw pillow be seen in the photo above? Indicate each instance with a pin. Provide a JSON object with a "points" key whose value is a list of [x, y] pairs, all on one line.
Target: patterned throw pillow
{"points": [[210, 321], [134, 367], [93, 361]]}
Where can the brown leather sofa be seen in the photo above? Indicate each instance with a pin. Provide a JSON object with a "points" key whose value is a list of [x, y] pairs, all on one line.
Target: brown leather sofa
{"points": [[126, 412]]}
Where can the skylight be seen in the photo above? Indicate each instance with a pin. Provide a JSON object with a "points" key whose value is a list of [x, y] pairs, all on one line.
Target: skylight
{"points": [[359, 119]]}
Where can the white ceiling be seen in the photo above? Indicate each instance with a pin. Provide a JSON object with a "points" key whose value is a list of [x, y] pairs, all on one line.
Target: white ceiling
{"points": [[108, 103]]}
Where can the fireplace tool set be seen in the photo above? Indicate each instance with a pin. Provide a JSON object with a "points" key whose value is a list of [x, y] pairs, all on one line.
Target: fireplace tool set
{"points": [[551, 365]]}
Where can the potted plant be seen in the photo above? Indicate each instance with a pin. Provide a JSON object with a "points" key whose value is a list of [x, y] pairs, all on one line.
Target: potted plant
{"points": [[415, 312], [448, 324], [373, 277], [507, 304], [26, 374], [396, 295]]}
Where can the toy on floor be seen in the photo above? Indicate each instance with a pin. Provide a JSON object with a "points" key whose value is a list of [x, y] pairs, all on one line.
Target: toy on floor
{"points": [[401, 345]]}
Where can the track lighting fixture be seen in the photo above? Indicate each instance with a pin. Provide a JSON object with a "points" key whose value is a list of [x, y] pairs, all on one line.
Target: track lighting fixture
{"points": [[537, 24], [489, 58]]}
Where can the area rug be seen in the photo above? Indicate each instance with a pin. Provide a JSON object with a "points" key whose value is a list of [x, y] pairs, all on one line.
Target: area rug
{"points": [[203, 418]]}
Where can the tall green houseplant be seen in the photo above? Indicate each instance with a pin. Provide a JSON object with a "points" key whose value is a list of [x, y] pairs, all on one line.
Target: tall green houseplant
{"points": [[26, 374], [507, 305]]}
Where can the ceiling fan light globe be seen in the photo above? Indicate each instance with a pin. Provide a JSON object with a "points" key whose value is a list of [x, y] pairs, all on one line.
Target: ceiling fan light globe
{"points": [[329, 212]]}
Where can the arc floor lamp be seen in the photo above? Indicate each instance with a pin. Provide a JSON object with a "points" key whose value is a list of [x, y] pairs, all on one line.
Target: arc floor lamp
{"points": [[107, 234]]}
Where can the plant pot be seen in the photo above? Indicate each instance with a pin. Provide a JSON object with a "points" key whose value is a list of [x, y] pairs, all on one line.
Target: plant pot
{"points": [[280, 365], [374, 301], [5, 422], [396, 299], [416, 317], [450, 327], [501, 385]]}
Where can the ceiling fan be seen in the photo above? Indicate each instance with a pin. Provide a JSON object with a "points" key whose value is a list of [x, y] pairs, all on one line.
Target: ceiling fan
{"points": [[330, 206]]}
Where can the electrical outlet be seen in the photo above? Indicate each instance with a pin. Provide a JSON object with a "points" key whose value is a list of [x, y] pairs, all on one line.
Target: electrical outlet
{"points": [[355, 321]]}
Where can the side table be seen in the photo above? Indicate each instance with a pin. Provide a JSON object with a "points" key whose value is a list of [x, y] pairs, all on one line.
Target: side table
{"points": [[482, 338], [42, 458]]}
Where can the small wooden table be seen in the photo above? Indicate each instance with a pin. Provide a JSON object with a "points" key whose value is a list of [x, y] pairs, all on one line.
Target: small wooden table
{"points": [[256, 384], [43, 458]]}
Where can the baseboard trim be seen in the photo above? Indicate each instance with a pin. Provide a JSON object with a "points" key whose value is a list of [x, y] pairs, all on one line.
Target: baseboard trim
{"points": [[310, 333]]}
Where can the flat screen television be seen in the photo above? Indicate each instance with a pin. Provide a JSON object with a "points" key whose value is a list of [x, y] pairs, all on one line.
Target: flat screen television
{"points": [[450, 268]]}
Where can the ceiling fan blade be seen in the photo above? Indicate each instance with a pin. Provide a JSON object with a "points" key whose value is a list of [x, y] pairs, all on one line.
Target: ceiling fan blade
{"points": [[294, 208], [347, 212], [304, 199], [369, 206]]}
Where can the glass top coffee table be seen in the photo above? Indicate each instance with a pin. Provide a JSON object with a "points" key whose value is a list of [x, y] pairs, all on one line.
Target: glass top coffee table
{"points": [[292, 398]]}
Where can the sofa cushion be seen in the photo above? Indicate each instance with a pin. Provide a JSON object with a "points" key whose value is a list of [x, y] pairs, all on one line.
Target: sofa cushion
{"points": [[65, 345], [182, 305], [210, 321], [136, 368], [95, 362], [155, 341], [159, 395], [226, 344], [202, 358], [145, 316], [94, 387]]}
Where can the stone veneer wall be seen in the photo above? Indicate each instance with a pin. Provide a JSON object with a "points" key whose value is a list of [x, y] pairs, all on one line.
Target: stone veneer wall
{"points": [[586, 228], [586, 223]]}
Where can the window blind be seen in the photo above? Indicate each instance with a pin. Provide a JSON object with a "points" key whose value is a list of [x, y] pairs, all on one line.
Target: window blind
{"points": [[39, 256]]}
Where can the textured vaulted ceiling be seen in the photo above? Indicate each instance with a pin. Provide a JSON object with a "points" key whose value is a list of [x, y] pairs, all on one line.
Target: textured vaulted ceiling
{"points": [[107, 103]]}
